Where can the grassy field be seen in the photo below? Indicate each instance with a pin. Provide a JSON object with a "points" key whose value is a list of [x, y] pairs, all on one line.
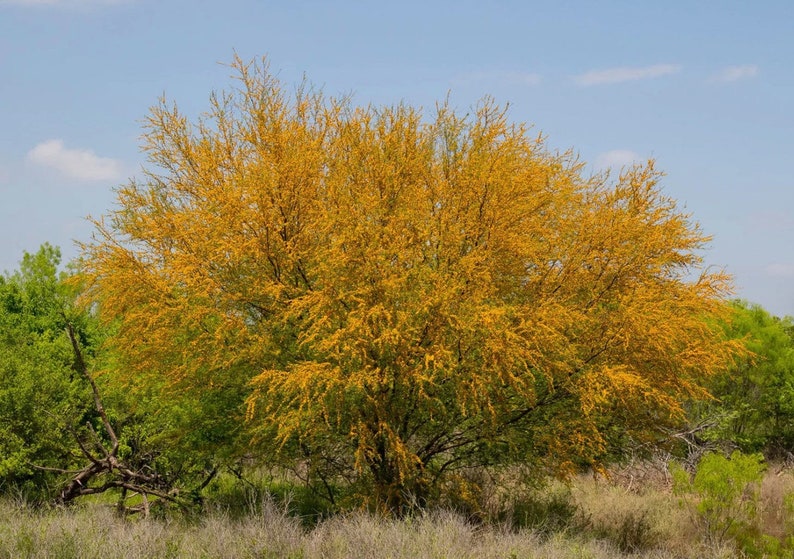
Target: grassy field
{"points": [[633, 514]]}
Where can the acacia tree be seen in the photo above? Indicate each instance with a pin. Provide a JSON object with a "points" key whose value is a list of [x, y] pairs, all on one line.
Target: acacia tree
{"points": [[403, 294]]}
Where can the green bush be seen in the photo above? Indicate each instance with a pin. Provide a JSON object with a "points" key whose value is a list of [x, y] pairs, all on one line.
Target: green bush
{"points": [[723, 496]]}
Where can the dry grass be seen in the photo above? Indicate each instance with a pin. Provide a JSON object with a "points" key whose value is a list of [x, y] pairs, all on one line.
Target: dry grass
{"points": [[777, 502], [96, 533], [636, 504], [639, 519], [617, 520]]}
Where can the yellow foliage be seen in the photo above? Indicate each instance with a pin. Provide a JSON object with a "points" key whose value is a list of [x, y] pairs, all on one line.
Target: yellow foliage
{"points": [[413, 285]]}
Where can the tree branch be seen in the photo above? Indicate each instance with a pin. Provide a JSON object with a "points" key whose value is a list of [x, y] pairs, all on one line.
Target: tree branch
{"points": [[81, 367]]}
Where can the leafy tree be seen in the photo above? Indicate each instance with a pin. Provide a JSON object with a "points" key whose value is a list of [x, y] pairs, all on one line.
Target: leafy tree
{"points": [[400, 296], [754, 407], [39, 392], [57, 441]]}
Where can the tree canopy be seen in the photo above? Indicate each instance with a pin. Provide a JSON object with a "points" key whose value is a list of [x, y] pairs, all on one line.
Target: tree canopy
{"points": [[58, 441], [395, 295], [754, 397], [40, 394]]}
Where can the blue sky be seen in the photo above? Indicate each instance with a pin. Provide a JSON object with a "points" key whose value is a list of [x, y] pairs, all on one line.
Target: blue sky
{"points": [[704, 87]]}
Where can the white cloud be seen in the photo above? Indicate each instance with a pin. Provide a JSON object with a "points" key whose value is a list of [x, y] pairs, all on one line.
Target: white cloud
{"points": [[780, 270], [616, 159], [735, 73], [625, 74], [509, 78], [82, 164]]}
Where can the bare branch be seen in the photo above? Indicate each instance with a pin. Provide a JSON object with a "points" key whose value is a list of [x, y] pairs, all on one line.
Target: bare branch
{"points": [[82, 368]]}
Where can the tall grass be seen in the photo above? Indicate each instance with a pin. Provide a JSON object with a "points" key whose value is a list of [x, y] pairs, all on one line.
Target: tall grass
{"points": [[94, 532], [590, 518]]}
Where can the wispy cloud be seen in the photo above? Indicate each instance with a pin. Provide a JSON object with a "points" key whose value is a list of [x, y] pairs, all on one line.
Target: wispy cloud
{"points": [[735, 73], [780, 270], [508, 78], [81, 164], [616, 159], [625, 74]]}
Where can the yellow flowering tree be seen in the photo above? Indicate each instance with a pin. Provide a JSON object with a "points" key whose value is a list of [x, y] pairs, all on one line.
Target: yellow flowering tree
{"points": [[403, 294]]}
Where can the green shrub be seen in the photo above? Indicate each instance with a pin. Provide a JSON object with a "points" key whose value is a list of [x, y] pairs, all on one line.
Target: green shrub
{"points": [[723, 496]]}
